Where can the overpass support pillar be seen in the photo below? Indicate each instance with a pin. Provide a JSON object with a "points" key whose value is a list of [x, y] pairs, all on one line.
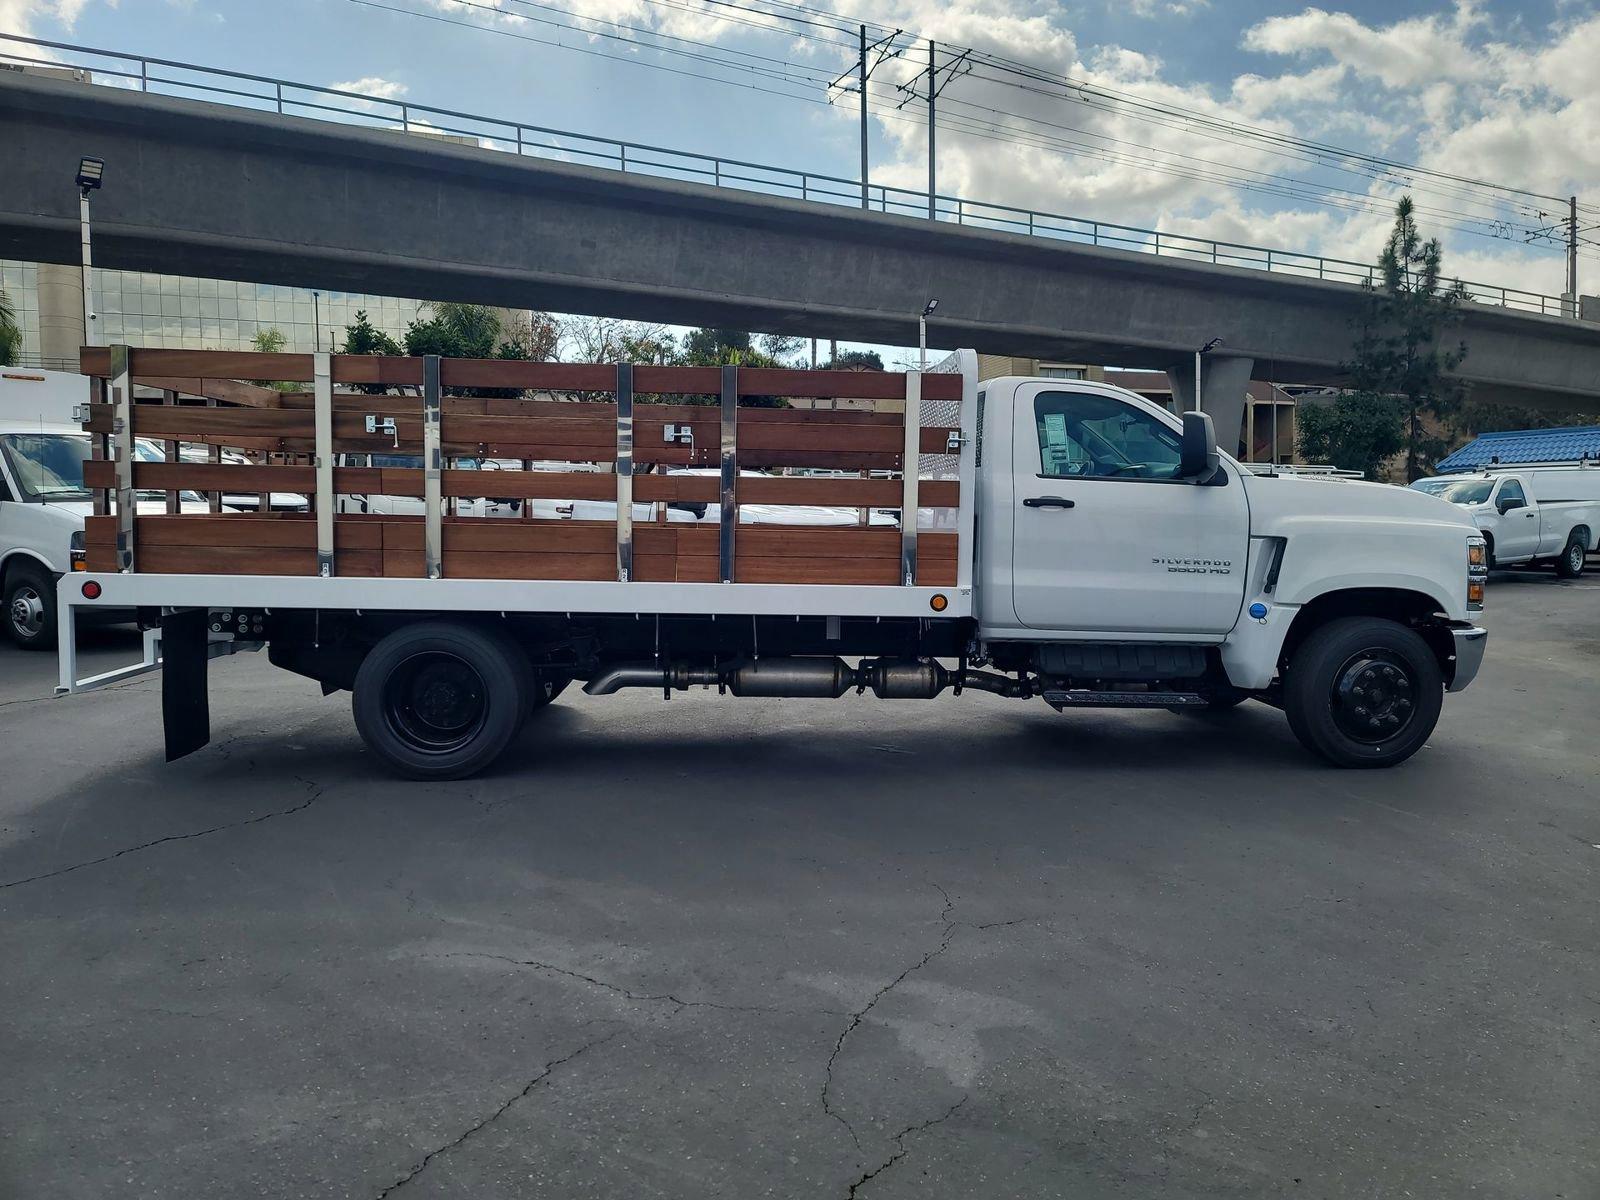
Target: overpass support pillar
{"points": [[1224, 384]]}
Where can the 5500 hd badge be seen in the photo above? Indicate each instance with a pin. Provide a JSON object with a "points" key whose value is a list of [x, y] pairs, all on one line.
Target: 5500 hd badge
{"points": [[1195, 566]]}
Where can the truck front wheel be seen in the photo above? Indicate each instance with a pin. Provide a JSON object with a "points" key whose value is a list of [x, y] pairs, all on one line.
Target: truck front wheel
{"points": [[440, 700], [29, 606], [1363, 692]]}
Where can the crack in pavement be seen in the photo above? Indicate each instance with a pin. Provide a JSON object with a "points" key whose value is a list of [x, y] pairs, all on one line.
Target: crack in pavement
{"points": [[901, 1150], [857, 1017], [110, 687], [317, 791], [544, 1073], [645, 997]]}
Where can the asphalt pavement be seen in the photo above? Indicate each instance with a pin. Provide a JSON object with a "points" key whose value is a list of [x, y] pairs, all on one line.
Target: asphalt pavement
{"points": [[716, 948]]}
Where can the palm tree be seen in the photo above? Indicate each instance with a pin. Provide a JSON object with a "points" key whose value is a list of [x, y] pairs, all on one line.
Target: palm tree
{"points": [[10, 334]]}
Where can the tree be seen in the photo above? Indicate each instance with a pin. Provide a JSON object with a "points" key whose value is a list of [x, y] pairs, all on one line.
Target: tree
{"points": [[10, 333], [779, 346], [455, 331], [365, 338], [609, 340], [716, 347], [1355, 432], [855, 360], [272, 341], [1401, 373], [536, 334]]}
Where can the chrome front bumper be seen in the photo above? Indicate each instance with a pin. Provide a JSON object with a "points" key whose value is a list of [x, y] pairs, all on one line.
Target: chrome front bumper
{"points": [[1470, 641]]}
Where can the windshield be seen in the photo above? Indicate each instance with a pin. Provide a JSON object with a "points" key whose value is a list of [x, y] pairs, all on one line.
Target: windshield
{"points": [[47, 466], [1457, 491]]}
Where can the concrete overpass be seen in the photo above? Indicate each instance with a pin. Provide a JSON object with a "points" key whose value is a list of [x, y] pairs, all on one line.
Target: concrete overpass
{"points": [[217, 191]]}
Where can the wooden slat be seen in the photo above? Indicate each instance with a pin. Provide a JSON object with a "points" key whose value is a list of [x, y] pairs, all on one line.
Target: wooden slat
{"points": [[516, 485], [234, 560], [246, 544], [529, 376], [197, 364], [229, 391]]}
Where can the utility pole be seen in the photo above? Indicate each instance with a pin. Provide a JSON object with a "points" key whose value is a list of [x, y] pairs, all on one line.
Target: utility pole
{"points": [[933, 93], [1572, 252], [863, 78]]}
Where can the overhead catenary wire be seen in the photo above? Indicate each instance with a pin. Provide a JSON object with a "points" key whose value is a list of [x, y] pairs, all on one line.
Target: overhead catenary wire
{"points": [[790, 75]]}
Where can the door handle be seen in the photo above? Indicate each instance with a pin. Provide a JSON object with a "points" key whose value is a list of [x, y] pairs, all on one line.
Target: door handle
{"points": [[1049, 502]]}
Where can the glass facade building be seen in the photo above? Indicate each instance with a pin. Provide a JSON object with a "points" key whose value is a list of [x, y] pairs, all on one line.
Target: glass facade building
{"points": [[176, 312], [20, 282]]}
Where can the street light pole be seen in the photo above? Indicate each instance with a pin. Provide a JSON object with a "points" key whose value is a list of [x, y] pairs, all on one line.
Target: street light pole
{"points": [[1572, 252], [1198, 355], [90, 173], [863, 78], [933, 95], [922, 335], [316, 321]]}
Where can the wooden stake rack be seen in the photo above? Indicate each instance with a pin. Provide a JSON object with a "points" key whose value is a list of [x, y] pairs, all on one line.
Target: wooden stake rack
{"points": [[626, 423]]}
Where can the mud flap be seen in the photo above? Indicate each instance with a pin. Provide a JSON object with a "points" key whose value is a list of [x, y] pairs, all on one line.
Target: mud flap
{"points": [[185, 705]]}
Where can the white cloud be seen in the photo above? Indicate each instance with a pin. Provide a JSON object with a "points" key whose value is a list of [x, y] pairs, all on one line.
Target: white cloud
{"points": [[1407, 53], [1456, 89], [373, 85], [18, 16]]}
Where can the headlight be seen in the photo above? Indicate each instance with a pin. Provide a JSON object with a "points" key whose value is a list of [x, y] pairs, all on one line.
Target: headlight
{"points": [[77, 539], [1477, 573], [77, 555]]}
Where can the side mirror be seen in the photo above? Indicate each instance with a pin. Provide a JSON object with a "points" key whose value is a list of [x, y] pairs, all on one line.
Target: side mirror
{"points": [[1197, 459]]}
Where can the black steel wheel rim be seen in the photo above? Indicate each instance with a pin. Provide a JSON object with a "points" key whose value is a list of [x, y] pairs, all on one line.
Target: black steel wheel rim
{"points": [[1374, 697], [435, 702]]}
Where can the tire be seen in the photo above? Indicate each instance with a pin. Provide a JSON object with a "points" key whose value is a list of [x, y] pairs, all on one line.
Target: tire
{"points": [[440, 700], [1569, 565], [29, 606], [1363, 692]]}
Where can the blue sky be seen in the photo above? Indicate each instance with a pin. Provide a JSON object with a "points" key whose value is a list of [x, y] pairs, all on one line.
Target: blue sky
{"points": [[1506, 91]]}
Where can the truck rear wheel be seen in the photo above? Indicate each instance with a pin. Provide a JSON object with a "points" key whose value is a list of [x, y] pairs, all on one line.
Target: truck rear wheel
{"points": [[1570, 564], [1363, 692], [440, 700], [29, 606]]}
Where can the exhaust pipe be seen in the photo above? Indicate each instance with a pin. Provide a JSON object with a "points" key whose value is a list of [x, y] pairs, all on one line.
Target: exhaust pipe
{"points": [[650, 675], [802, 678]]}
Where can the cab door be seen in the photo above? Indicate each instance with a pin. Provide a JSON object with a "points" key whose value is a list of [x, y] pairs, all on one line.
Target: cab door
{"points": [[1105, 537], [1517, 535]]}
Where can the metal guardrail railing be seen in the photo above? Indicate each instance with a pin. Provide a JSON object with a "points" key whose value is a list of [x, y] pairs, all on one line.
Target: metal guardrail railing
{"points": [[160, 76]]}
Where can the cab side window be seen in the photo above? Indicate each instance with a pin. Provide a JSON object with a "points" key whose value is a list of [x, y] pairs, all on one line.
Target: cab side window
{"points": [[1511, 495], [1083, 435]]}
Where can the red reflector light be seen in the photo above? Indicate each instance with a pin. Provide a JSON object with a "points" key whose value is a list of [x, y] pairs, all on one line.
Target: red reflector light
{"points": [[91, 589]]}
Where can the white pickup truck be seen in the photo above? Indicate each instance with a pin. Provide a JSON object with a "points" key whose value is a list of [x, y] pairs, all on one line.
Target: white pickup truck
{"points": [[1100, 552], [1532, 514]]}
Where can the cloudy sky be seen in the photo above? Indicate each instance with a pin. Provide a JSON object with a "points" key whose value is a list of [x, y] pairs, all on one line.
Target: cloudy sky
{"points": [[1174, 114]]}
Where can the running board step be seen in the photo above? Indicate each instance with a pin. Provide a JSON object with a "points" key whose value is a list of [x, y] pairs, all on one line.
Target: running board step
{"points": [[1076, 698]]}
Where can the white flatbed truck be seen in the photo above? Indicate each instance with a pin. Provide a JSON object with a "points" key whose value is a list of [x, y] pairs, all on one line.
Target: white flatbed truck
{"points": [[1095, 550]]}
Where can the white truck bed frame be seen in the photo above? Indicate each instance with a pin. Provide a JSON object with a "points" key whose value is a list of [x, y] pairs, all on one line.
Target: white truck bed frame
{"points": [[129, 590]]}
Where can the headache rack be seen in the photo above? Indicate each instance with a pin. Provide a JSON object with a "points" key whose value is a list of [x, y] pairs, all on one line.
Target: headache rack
{"points": [[266, 424]]}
